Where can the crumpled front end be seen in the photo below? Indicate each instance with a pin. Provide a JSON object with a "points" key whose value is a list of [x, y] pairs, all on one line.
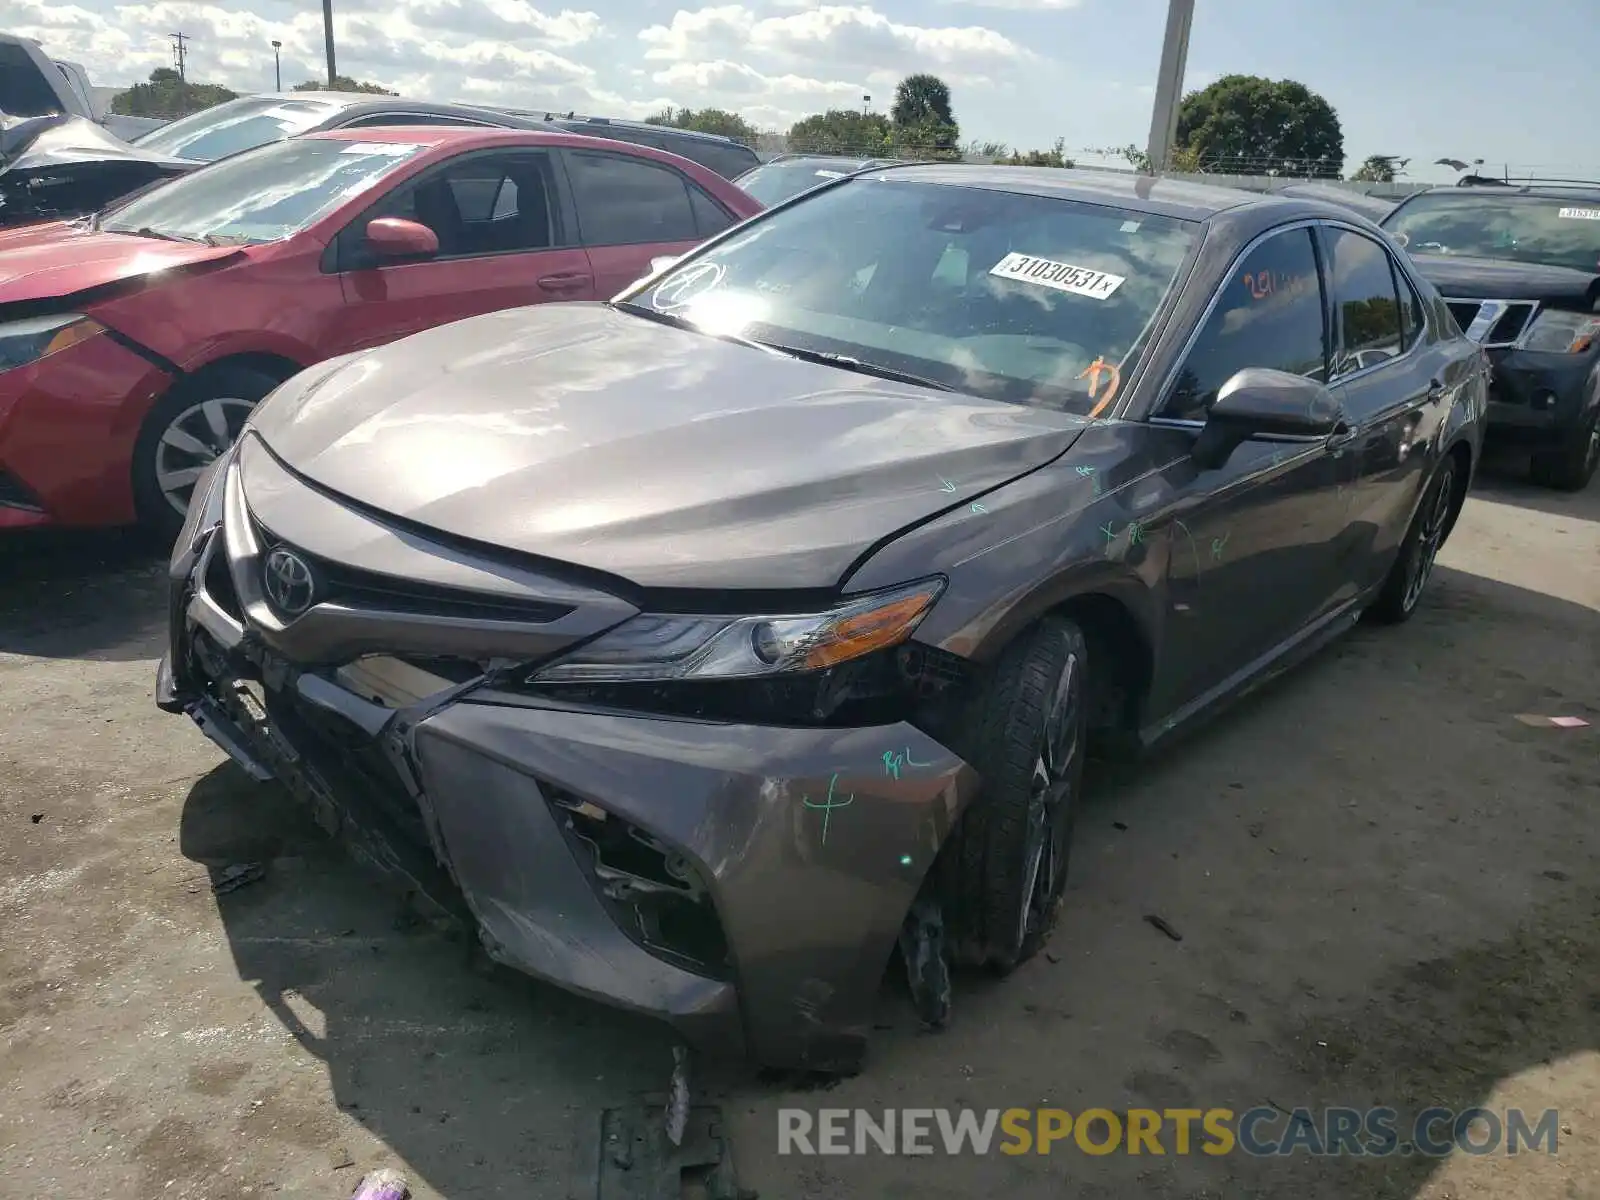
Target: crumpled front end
{"points": [[741, 878]]}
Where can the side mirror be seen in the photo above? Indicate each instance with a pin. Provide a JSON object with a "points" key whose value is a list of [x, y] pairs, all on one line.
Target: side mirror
{"points": [[395, 237], [1257, 401]]}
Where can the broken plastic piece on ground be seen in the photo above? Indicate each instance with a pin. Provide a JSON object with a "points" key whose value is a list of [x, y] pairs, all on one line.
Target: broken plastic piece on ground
{"points": [[636, 1162], [385, 1184], [927, 965], [678, 1095], [1541, 722], [1161, 923], [236, 876]]}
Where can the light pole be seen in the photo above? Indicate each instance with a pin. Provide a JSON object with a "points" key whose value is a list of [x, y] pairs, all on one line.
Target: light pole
{"points": [[327, 37], [277, 68], [1169, 84]]}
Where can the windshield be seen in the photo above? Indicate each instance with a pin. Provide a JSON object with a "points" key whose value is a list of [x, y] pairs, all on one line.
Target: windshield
{"points": [[776, 182], [262, 196], [1013, 297], [1526, 229], [242, 124]]}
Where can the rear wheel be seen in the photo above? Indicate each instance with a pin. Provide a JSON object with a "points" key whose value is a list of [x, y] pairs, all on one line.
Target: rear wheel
{"points": [[1571, 466], [1413, 567], [197, 420], [1007, 864]]}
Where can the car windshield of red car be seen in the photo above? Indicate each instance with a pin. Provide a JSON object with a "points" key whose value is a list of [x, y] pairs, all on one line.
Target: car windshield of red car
{"points": [[263, 195], [1026, 298], [241, 124]]}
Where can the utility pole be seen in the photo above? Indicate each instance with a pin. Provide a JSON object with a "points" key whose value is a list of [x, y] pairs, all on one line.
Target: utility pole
{"points": [[180, 54], [277, 66], [1169, 84], [327, 37]]}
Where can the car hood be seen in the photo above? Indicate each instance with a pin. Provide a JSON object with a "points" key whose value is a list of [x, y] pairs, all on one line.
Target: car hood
{"points": [[73, 143], [580, 433], [56, 260], [1493, 279]]}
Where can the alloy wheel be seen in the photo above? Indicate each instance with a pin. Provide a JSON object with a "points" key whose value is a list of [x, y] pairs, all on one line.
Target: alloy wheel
{"points": [[1430, 536], [193, 441], [1050, 803]]}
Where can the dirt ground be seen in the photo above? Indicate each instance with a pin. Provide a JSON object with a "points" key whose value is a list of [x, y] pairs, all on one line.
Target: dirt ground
{"points": [[1388, 892]]}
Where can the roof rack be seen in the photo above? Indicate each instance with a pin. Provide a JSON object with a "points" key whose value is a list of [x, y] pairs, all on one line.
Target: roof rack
{"points": [[1524, 182]]}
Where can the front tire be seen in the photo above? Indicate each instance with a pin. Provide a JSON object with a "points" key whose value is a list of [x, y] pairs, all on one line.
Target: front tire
{"points": [[1007, 864], [197, 420], [1570, 467], [1413, 566]]}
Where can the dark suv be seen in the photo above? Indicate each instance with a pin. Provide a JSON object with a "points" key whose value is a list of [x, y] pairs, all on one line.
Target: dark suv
{"points": [[723, 155], [1519, 265]]}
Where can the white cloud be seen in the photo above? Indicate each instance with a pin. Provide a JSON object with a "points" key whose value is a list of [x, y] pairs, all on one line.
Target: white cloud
{"points": [[772, 64], [842, 36], [1020, 5]]}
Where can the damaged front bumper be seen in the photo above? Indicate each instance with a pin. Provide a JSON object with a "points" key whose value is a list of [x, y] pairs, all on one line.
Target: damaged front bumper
{"points": [[746, 883]]}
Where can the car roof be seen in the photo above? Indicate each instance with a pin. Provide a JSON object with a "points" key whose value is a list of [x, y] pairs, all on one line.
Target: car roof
{"points": [[1136, 193], [373, 102], [434, 136]]}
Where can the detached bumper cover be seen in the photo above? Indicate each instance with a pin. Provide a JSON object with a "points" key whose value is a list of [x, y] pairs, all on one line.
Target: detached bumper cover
{"points": [[810, 843], [1538, 396]]}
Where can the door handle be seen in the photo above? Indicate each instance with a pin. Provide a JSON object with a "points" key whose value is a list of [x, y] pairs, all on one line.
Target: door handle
{"points": [[565, 281]]}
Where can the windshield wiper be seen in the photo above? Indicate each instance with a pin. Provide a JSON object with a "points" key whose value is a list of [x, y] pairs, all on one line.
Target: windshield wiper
{"points": [[677, 322], [146, 231], [861, 367], [822, 357]]}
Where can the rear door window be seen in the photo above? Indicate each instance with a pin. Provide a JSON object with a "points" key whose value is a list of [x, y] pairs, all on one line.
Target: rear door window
{"points": [[1364, 298], [623, 201]]}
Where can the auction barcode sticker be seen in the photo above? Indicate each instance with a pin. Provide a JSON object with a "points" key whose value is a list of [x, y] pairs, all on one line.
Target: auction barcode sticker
{"points": [[1580, 214], [1064, 277]]}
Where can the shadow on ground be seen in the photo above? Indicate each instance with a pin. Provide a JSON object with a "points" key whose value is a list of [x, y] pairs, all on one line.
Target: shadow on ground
{"points": [[95, 595], [1504, 480], [1384, 887]]}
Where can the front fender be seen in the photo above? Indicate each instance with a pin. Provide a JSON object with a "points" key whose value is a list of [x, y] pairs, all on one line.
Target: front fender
{"points": [[1025, 548]]}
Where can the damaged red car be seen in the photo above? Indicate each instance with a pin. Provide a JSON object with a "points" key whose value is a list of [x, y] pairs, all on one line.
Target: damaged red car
{"points": [[134, 344]]}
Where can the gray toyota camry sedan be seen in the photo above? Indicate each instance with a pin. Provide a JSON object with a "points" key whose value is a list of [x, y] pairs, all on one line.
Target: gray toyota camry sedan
{"points": [[708, 649]]}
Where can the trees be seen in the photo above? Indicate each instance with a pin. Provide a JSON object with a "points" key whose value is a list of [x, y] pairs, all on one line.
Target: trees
{"points": [[920, 125], [1379, 168], [343, 83], [841, 131], [924, 124], [1245, 124], [167, 95], [921, 99], [707, 120]]}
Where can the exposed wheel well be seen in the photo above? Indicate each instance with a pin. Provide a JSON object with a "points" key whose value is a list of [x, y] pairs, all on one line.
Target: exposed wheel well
{"points": [[276, 365], [1120, 667]]}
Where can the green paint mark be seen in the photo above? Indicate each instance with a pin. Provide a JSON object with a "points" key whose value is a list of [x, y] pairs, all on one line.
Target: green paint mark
{"points": [[827, 807], [1217, 545]]}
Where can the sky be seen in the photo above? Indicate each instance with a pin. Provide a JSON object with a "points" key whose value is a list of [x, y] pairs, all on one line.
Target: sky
{"points": [[1472, 79]]}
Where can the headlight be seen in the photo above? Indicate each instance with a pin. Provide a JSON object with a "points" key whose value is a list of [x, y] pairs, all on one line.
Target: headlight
{"points": [[1562, 332], [23, 342], [691, 647]]}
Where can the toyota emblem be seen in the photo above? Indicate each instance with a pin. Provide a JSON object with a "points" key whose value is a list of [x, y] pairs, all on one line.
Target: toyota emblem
{"points": [[288, 582], [686, 286]]}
